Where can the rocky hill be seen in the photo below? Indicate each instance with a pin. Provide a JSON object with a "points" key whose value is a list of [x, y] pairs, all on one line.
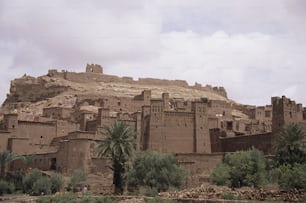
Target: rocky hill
{"points": [[30, 94]]}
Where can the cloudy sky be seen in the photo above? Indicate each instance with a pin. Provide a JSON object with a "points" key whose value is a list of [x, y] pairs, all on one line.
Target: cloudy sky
{"points": [[255, 49]]}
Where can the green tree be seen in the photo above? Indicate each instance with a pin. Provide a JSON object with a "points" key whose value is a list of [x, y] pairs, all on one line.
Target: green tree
{"points": [[118, 145], [290, 148], [242, 168], [157, 171], [6, 157]]}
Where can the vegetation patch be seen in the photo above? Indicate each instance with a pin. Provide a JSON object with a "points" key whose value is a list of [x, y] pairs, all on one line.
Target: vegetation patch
{"points": [[158, 172]]}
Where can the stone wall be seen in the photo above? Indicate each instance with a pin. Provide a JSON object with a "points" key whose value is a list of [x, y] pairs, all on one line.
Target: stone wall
{"points": [[178, 132], [37, 133], [64, 127], [41, 161], [198, 165], [262, 142], [4, 136], [58, 113]]}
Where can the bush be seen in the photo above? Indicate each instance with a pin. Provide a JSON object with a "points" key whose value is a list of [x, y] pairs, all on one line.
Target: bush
{"points": [[291, 176], [103, 199], [6, 187], [151, 192], [42, 186], [64, 198], [242, 168], [35, 183], [77, 176], [221, 174], [11, 188], [57, 182], [159, 200], [15, 177], [70, 197], [230, 196], [3, 187], [29, 180], [156, 171]]}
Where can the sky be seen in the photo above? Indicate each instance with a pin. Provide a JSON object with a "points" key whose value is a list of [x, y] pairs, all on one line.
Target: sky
{"points": [[255, 49]]}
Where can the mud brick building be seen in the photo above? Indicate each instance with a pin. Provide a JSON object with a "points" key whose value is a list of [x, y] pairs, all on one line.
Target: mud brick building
{"points": [[198, 131]]}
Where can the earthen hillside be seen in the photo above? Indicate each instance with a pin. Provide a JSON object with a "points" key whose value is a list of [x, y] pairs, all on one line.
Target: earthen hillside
{"points": [[29, 95]]}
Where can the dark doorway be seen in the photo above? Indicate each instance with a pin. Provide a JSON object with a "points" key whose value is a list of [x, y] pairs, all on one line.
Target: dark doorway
{"points": [[229, 125], [53, 164]]}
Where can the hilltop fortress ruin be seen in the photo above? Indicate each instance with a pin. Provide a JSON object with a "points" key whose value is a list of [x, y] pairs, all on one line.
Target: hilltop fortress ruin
{"points": [[31, 89], [63, 133]]}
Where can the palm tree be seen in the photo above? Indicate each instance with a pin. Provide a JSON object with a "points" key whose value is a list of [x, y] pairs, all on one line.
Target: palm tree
{"points": [[28, 160], [6, 157], [290, 148], [118, 145]]}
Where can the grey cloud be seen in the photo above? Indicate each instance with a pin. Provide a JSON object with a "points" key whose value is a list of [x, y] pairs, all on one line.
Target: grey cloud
{"points": [[253, 48]]}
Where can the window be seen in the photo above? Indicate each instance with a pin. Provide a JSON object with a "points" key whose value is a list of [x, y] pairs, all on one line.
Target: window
{"points": [[229, 125]]}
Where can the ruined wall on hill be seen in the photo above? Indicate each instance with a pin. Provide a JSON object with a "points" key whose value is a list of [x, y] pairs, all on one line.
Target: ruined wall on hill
{"points": [[85, 77], [30, 89]]}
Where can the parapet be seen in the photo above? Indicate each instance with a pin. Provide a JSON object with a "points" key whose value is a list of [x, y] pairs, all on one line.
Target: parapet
{"points": [[282, 100]]}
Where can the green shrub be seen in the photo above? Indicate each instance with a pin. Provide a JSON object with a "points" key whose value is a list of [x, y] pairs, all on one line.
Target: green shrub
{"points": [[15, 177], [57, 182], [221, 174], [104, 199], [291, 176], [151, 192], [304, 198], [85, 199], [230, 196], [77, 176], [6, 187], [11, 188], [29, 180], [63, 198], [242, 168], [3, 187], [42, 186], [159, 200], [159, 171], [72, 198]]}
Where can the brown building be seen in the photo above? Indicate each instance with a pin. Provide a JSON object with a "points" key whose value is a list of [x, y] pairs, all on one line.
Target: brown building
{"points": [[64, 138]]}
